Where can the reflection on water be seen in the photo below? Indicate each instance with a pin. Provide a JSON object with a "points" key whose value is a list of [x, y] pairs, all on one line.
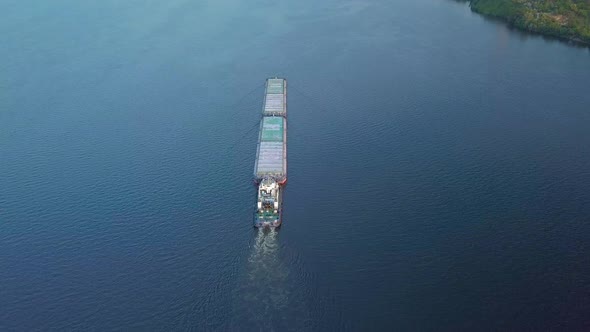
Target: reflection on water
{"points": [[266, 298]]}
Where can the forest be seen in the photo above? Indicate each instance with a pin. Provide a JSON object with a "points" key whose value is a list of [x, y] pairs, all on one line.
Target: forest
{"points": [[565, 19]]}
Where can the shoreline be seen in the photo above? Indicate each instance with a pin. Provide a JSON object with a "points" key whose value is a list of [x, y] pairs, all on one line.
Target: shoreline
{"points": [[531, 20]]}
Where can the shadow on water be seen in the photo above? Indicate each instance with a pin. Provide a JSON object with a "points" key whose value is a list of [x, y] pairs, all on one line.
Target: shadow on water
{"points": [[266, 297]]}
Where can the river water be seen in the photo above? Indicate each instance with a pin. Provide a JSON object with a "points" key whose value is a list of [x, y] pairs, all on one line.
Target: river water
{"points": [[438, 168]]}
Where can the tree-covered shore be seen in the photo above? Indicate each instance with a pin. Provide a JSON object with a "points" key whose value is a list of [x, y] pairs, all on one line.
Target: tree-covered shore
{"points": [[565, 19]]}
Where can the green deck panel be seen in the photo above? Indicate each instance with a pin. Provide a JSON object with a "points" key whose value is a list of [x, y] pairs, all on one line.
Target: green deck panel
{"points": [[275, 85], [267, 216], [272, 129]]}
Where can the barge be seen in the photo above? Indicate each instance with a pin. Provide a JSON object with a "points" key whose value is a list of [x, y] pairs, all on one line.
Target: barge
{"points": [[270, 169]]}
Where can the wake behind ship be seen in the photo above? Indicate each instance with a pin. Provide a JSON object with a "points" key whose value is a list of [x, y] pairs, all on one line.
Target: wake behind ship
{"points": [[270, 169]]}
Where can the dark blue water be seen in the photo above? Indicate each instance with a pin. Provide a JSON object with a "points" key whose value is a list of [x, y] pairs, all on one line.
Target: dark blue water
{"points": [[439, 168]]}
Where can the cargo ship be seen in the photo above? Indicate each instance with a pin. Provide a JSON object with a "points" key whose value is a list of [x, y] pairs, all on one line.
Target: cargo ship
{"points": [[270, 169]]}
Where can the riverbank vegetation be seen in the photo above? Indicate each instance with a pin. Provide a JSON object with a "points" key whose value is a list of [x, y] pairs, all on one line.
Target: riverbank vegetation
{"points": [[566, 19]]}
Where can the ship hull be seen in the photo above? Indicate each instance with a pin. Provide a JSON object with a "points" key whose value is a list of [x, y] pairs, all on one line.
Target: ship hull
{"points": [[270, 168]]}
